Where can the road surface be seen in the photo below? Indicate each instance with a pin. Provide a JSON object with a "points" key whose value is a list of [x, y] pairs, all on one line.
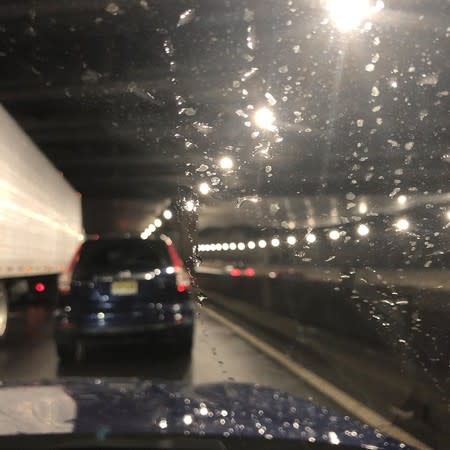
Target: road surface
{"points": [[219, 354]]}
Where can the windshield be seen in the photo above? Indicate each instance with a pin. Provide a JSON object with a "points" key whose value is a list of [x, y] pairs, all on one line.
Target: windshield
{"points": [[230, 193]]}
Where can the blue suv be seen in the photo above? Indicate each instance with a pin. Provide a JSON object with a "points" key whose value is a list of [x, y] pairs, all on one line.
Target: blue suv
{"points": [[118, 290]]}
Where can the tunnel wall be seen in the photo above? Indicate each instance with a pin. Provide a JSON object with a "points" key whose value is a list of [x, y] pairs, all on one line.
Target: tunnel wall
{"points": [[412, 317]]}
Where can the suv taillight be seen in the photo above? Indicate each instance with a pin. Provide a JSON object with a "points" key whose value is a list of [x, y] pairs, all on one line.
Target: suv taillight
{"points": [[181, 276], [182, 279], [65, 277]]}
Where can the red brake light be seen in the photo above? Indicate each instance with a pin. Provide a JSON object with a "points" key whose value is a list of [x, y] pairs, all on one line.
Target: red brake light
{"points": [[182, 279], [249, 272], [39, 287], [235, 272]]}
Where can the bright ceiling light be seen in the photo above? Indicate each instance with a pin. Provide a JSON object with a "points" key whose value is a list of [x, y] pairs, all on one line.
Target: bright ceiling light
{"points": [[265, 119], [348, 14], [233, 246], [363, 230], [151, 228], [219, 247], [402, 224], [158, 223], [167, 214], [401, 199], [226, 163], [144, 235], [311, 238], [275, 242], [241, 246], [225, 246], [204, 188], [291, 240], [251, 245], [189, 205], [262, 243], [334, 235], [363, 208]]}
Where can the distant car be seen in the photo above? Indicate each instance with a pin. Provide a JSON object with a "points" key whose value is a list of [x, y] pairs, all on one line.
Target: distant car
{"points": [[121, 290]]}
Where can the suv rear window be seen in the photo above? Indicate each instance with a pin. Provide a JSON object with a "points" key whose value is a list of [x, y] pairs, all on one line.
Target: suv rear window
{"points": [[109, 256]]}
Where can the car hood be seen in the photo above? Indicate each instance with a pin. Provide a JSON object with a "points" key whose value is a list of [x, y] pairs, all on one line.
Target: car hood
{"points": [[109, 406]]}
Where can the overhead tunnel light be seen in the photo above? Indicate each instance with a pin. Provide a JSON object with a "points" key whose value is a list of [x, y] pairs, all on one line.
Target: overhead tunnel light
{"points": [[311, 238], [291, 240], [347, 15], [226, 163], [401, 199], [265, 119], [204, 188], [167, 214], [402, 224], [363, 230], [334, 235]]}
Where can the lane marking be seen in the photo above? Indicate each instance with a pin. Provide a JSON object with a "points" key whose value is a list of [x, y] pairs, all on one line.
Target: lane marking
{"points": [[353, 406]]}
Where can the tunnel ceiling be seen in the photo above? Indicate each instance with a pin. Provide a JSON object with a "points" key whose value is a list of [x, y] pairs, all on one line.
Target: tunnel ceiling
{"points": [[136, 101]]}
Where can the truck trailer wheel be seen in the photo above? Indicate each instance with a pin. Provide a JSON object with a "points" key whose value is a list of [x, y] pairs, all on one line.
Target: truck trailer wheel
{"points": [[3, 309]]}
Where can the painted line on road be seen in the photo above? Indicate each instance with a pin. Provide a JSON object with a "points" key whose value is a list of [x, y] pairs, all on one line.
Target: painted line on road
{"points": [[353, 406]]}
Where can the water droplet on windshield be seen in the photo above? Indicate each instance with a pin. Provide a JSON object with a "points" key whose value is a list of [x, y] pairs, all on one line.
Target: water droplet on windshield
{"points": [[113, 8], [186, 17]]}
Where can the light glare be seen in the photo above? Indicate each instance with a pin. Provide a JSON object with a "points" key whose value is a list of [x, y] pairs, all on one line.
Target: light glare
{"points": [[265, 119], [226, 163], [275, 242], [311, 238], [262, 243], [204, 188], [348, 14], [189, 205], [241, 246], [402, 225], [363, 208], [251, 245], [401, 199], [334, 235], [167, 214], [291, 240], [363, 230], [158, 223]]}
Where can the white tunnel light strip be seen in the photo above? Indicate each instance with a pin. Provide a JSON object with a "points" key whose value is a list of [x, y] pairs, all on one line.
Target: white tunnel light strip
{"points": [[275, 242], [362, 230], [291, 240]]}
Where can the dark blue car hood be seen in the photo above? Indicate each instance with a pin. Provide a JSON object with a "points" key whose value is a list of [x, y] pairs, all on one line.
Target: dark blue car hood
{"points": [[108, 406]]}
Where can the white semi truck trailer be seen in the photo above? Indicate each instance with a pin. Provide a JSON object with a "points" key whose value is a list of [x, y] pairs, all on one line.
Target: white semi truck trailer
{"points": [[40, 219]]}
